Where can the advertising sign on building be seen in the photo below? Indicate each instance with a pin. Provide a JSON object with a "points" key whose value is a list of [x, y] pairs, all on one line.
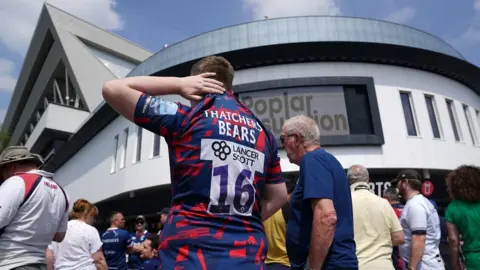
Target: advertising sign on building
{"points": [[325, 104]]}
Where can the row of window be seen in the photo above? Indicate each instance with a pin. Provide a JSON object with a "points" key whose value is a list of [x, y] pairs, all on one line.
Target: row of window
{"points": [[120, 151], [434, 117]]}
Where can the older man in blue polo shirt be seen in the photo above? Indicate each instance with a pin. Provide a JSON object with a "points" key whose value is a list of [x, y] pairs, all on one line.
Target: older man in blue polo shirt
{"points": [[320, 226]]}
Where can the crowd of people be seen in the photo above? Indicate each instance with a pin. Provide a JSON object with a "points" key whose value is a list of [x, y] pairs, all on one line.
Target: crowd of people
{"points": [[233, 213]]}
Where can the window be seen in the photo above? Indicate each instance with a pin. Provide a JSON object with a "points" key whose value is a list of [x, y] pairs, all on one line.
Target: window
{"points": [[358, 110], [138, 151], [115, 152], [124, 149], [433, 115], [409, 113], [156, 146], [471, 127], [477, 112], [453, 119]]}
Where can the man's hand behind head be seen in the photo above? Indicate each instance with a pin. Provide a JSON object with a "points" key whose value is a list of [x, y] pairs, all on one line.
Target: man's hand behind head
{"points": [[194, 88]]}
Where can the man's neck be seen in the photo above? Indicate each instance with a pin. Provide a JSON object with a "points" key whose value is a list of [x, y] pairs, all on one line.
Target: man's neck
{"points": [[140, 231], [24, 169], [411, 193], [311, 148], [112, 226], [394, 202]]}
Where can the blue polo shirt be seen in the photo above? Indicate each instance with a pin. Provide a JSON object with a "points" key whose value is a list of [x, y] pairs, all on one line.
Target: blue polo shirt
{"points": [[115, 244], [321, 177]]}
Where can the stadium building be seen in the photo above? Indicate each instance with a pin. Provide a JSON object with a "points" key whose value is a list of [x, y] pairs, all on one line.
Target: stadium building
{"points": [[385, 95]]}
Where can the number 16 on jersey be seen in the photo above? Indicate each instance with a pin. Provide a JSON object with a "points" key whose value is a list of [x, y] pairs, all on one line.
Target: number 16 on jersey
{"points": [[233, 169]]}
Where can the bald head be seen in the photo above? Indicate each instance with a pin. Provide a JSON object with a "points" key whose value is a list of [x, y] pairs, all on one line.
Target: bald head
{"points": [[357, 173]]}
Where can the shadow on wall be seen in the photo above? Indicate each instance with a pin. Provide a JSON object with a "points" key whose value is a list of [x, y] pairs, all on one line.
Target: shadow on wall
{"points": [[83, 162]]}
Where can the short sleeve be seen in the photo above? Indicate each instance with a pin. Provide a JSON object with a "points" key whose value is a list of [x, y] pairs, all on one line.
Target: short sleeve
{"points": [[318, 179], [63, 225], [417, 219], [159, 116], [274, 171], [96, 242], [394, 222], [128, 240], [450, 213], [12, 193]]}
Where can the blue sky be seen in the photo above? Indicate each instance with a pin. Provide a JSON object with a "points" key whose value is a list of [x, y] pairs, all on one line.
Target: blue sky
{"points": [[153, 23]]}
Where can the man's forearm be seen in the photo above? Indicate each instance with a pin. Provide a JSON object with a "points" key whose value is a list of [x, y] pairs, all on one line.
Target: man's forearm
{"points": [[270, 207], [154, 86], [418, 247], [101, 265], [321, 240]]}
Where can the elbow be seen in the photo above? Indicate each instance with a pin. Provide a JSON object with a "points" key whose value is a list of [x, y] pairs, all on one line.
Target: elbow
{"points": [[453, 241], [108, 89], [398, 241], [59, 236], [330, 223]]}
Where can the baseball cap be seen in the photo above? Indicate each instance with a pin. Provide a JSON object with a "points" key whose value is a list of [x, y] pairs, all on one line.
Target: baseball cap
{"points": [[140, 218], [407, 174], [165, 211]]}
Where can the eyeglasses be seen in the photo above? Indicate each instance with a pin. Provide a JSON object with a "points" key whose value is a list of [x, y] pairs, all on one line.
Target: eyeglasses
{"points": [[284, 138]]}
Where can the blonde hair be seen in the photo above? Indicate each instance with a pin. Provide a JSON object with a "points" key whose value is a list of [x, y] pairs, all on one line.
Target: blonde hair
{"points": [[83, 208]]}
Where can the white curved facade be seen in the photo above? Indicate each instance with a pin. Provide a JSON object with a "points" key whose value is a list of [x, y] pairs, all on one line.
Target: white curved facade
{"points": [[89, 173]]}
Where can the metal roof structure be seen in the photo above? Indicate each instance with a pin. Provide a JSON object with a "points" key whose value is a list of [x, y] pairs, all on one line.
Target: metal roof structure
{"points": [[66, 48]]}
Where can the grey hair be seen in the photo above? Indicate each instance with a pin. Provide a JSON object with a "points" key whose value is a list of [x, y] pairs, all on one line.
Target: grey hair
{"points": [[357, 173], [305, 126], [392, 194]]}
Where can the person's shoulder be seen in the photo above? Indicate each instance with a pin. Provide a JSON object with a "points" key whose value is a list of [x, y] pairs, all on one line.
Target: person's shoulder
{"points": [[456, 204], [319, 153], [321, 156], [122, 232], [13, 186], [14, 180], [383, 203], [90, 228]]}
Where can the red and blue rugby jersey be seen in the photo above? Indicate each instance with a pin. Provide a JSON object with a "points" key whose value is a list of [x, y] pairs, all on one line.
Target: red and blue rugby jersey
{"points": [[221, 158]]}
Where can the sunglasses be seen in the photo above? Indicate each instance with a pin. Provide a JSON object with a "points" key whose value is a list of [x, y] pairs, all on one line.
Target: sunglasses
{"points": [[140, 222]]}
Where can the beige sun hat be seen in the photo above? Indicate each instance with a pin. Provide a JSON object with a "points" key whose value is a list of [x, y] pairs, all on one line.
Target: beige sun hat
{"points": [[13, 154]]}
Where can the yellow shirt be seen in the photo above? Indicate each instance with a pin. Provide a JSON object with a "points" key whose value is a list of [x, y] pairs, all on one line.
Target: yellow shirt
{"points": [[275, 230], [374, 222]]}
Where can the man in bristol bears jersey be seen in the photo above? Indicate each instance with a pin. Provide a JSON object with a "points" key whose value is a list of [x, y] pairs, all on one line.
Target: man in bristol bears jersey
{"points": [[225, 170]]}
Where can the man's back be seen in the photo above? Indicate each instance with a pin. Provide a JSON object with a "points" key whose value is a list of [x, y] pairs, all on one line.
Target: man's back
{"points": [[374, 220], [221, 157], [34, 223], [115, 243]]}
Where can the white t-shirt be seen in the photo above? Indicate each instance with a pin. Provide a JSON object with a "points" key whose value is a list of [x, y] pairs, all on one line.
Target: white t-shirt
{"points": [[419, 214], [29, 228], [75, 251]]}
